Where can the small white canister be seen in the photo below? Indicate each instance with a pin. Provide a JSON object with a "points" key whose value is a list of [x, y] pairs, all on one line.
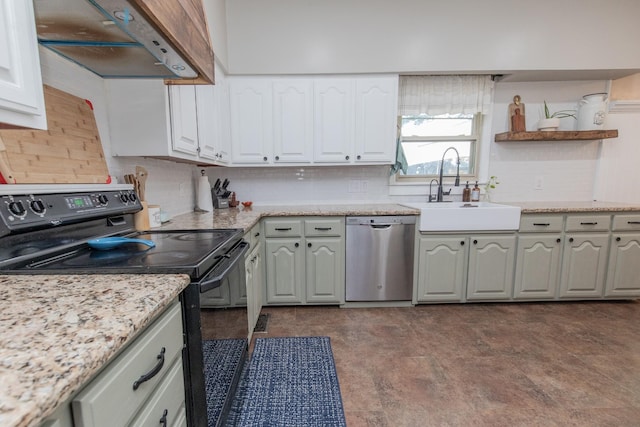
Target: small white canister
{"points": [[592, 111]]}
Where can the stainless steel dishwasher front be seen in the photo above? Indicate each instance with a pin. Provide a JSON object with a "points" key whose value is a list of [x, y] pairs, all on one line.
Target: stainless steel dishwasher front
{"points": [[379, 258]]}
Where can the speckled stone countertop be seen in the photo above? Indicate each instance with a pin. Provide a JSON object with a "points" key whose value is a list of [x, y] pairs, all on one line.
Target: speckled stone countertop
{"points": [[568, 207], [56, 332], [246, 218]]}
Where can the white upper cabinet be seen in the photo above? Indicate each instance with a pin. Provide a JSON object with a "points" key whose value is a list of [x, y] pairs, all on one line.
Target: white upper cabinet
{"points": [[334, 115], [376, 106], [181, 122], [314, 120], [251, 121], [293, 120], [21, 93], [184, 120], [214, 132]]}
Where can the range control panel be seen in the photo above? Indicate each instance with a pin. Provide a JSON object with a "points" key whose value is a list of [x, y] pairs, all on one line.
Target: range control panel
{"points": [[41, 211]]}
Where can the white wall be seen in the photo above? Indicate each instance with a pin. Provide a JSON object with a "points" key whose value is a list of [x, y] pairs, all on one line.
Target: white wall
{"points": [[170, 184], [216, 13], [364, 36]]}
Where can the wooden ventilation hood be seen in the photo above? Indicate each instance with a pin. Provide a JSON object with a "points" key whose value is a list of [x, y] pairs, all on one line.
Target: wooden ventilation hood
{"points": [[184, 24]]}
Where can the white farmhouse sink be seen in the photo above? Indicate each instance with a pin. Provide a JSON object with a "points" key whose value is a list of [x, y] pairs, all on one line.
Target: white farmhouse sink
{"points": [[465, 216]]}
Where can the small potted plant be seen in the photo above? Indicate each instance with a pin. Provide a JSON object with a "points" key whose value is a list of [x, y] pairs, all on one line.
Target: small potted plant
{"points": [[551, 121], [491, 184]]}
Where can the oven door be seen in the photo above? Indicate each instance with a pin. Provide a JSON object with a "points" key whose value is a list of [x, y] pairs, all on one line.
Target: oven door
{"points": [[216, 325]]}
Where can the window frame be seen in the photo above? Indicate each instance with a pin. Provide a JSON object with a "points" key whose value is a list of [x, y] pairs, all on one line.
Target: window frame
{"points": [[476, 141]]}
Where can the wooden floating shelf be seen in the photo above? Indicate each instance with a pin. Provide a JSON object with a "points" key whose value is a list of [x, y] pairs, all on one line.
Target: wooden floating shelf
{"points": [[558, 135]]}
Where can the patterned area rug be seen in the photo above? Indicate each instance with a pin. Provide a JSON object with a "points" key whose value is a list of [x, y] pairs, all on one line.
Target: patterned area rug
{"points": [[221, 364], [289, 382]]}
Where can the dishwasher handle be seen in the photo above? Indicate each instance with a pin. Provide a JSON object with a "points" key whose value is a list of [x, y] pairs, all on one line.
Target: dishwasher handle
{"points": [[381, 225]]}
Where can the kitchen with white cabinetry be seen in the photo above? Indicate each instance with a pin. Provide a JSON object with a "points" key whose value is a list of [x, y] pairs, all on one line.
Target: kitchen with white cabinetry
{"points": [[301, 120]]}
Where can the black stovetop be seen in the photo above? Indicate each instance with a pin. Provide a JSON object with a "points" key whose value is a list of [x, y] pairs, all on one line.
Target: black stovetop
{"points": [[190, 252]]}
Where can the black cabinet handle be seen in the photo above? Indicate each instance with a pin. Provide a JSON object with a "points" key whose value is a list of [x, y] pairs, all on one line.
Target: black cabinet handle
{"points": [[163, 420], [558, 240], [296, 245], [346, 157], [308, 245], [618, 239], [323, 228], [277, 157], [359, 157], [588, 223], [462, 243], [633, 222], [542, 224], [475, 242], [283, 229], [153, 372], [257, 234], [265, 158], [571, 239]]}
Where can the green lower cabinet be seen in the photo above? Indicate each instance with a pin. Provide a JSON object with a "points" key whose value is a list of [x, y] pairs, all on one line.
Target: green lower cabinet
{"points": [[623, 278], [441, 274], [285, 260], [325, 270], [491, 267], [537, 266], [584, 263]]}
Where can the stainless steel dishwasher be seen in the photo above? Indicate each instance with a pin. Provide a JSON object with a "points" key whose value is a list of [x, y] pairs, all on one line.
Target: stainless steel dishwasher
{"points": [[379, 258]]}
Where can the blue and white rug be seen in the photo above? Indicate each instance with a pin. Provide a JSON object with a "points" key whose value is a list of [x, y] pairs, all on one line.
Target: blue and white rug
{"points": [[289, 382], [222, 360]]}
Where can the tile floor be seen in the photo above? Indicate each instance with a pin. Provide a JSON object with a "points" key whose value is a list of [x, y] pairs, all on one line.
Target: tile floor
{"points": [[525, 364]]}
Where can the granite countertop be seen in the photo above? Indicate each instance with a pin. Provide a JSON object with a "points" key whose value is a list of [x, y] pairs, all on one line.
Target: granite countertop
{"points": [[57, 332], [568, 207], [245, 218]]}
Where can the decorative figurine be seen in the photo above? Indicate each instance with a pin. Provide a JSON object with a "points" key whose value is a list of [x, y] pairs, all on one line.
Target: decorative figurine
{"points": [[516, 115]]}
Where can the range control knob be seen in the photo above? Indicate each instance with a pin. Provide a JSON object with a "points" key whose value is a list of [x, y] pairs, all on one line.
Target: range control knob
{"points": [[124, 198], [133, 197], [37, 206], [17, 208], [102, 199]]}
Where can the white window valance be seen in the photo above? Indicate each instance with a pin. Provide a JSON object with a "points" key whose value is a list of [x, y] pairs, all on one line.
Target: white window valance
{"points": [[435, 95]]}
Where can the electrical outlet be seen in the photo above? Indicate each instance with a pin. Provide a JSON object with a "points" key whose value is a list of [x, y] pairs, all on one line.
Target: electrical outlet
{"points": [[539, 182], [354, 186]]}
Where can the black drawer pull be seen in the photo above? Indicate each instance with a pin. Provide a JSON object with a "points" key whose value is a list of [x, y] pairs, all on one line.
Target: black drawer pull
{"points": [[542, 224], [323, 228], [633, 222], [257, 234], [153, 372], [618, 239], [283, 229], [588, 223], [163, 420], [558, 240]]}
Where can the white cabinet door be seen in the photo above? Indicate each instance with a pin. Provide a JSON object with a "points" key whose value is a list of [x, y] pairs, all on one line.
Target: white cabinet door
{"points": [[376, 109], [441, 268], [21, 93], [251, 121], [213, 130], [184, 121], [584, 261], [325, 270], [624, 271], [491, 267], [293, 120], [537, 266], [333, 124]]}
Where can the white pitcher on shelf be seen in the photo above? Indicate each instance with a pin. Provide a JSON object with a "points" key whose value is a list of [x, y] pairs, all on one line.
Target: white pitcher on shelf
{"points": [[592, 110]]}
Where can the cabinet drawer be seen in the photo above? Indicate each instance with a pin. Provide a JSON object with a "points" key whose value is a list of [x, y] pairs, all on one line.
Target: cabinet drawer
{"points": [[588, 222], [540, 223], [324, 227], [110, 399], [169, 397], [283, 228], [626, 222]]}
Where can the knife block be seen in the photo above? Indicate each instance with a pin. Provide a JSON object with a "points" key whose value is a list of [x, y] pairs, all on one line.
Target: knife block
{"points": [[141, 218]]}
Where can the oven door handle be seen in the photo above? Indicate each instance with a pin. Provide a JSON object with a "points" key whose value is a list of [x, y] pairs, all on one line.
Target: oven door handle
{"points": [[211, 282]]}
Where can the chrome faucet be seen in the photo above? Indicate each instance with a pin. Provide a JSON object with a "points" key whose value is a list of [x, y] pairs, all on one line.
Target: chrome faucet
{"points": [[441, 193], [431, 198]]}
